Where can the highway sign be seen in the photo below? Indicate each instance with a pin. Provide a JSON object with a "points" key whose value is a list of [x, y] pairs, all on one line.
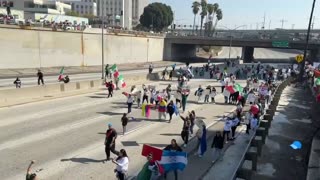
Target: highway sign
{"points": [[299, 58], [282, 44]]}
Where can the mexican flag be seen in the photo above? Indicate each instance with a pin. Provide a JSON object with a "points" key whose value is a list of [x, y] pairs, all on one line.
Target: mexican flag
{"points": [[317, 81], [238, 88], [121, 80], [116, 74], [114, 68], [61, 74], [231, 89]]}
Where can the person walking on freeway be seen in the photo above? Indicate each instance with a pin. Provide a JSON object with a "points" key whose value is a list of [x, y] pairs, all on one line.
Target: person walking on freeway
{"points": [[185, 130], [124, 121], [110, 141], [217, 144], [130, 102], [17, 82], [40, 77], [122, 163]]}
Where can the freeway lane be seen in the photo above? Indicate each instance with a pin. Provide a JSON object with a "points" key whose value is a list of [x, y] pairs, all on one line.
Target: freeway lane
{"points": [[32, 81], [53, 130], [260, 53]]}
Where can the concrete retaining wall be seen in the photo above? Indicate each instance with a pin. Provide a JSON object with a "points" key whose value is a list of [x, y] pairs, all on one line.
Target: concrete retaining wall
{"points": [[11, 97], [37, 48]]}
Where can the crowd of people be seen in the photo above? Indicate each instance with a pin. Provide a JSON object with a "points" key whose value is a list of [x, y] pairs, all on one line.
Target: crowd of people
{"points": [[249, 100], [255, 94]]}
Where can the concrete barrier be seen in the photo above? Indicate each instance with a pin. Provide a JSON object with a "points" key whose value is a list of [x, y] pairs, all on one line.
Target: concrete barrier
{"points": [[17, 96], [261, 131]]}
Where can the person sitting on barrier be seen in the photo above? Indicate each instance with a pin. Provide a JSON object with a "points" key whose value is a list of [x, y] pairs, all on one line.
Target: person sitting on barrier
{"points": [[17, 82], [66, 79]]}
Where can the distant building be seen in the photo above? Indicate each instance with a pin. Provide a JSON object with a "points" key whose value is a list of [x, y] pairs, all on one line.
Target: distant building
{"points": [[40, 6], [124, 13], [83, 7]]}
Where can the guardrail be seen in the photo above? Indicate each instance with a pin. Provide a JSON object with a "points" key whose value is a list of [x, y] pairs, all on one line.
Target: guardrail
{"points": [[265, 125]]}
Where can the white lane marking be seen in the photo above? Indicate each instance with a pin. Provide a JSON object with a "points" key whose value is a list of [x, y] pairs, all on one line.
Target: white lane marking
{"points": [[50, 133], [22, 118]]}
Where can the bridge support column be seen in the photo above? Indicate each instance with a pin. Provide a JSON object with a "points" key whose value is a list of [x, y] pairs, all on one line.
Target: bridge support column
{"points": [[179, 52], [315, 55], [247, 54]]}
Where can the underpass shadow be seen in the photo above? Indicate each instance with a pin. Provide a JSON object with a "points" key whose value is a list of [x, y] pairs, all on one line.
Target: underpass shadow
{"points": [[82, 160]]}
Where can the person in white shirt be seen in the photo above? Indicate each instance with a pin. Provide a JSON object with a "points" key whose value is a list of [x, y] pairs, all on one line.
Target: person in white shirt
{"points": [[227, 128], [251, 97], [213, 94], [122, 163], [130, 102]]}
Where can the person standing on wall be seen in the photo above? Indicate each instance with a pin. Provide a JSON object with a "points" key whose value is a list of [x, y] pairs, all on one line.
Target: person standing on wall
{"points": [[40, 77], [110, 141]]}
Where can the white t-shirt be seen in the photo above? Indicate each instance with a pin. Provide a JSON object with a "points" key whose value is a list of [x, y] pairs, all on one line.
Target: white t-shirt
{"points": [[123, 164], [130, 99], [251, 98]]}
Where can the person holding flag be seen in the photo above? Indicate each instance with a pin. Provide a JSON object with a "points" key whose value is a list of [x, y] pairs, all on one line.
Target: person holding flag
{"points": [[173, 147]]}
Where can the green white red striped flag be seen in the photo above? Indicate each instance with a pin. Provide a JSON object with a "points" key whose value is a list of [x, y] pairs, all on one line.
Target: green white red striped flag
{"points": [[61, 73], [114, 68]]}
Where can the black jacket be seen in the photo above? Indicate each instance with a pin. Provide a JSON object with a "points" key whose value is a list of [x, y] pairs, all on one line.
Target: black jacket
{"points": [[217, 142], [171, 148]]}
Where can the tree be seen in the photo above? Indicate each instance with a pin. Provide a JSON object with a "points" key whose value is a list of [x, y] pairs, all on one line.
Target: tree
{"points": [[209, 23], [203, 14], [219, 16], [195, 9], [156, 16], [72, 13]]}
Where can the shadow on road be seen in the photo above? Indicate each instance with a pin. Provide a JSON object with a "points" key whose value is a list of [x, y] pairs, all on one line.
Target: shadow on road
{"points": [[83, 160]]}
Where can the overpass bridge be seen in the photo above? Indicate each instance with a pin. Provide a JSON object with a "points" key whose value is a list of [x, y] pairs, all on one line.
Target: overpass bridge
{"points": [[184, 47]]}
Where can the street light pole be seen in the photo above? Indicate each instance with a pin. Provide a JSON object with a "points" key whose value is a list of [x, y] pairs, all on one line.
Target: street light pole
{"points": [[307, 43], [230, 46], [102, 49]]}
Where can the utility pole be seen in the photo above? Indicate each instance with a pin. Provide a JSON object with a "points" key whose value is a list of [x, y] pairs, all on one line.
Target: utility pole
{"points": [[312, 24], [264, 21], [102, 46], [306, 44], [269, 24], [282, 22]]}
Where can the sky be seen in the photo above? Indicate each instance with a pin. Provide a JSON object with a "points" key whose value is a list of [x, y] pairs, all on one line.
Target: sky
{"points": [[249, 13]]}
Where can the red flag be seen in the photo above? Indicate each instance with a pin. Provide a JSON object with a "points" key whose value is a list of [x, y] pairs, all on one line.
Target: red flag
{"points": [[316, 73], [156, 153], [116, 74], [230, 89]]}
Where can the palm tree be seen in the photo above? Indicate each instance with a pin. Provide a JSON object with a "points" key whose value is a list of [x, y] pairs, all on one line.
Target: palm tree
{"points": [[195, 9], [215, 9], [204, 12], [219, 16], [209, 23]]}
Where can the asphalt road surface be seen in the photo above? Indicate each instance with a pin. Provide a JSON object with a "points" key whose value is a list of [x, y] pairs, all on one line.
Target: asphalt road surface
{"points": [[258, 53], [70, 129]]}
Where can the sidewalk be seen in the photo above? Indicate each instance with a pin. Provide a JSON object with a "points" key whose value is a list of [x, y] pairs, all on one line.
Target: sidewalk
{"points": [[31, 72], [292, 122]]}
